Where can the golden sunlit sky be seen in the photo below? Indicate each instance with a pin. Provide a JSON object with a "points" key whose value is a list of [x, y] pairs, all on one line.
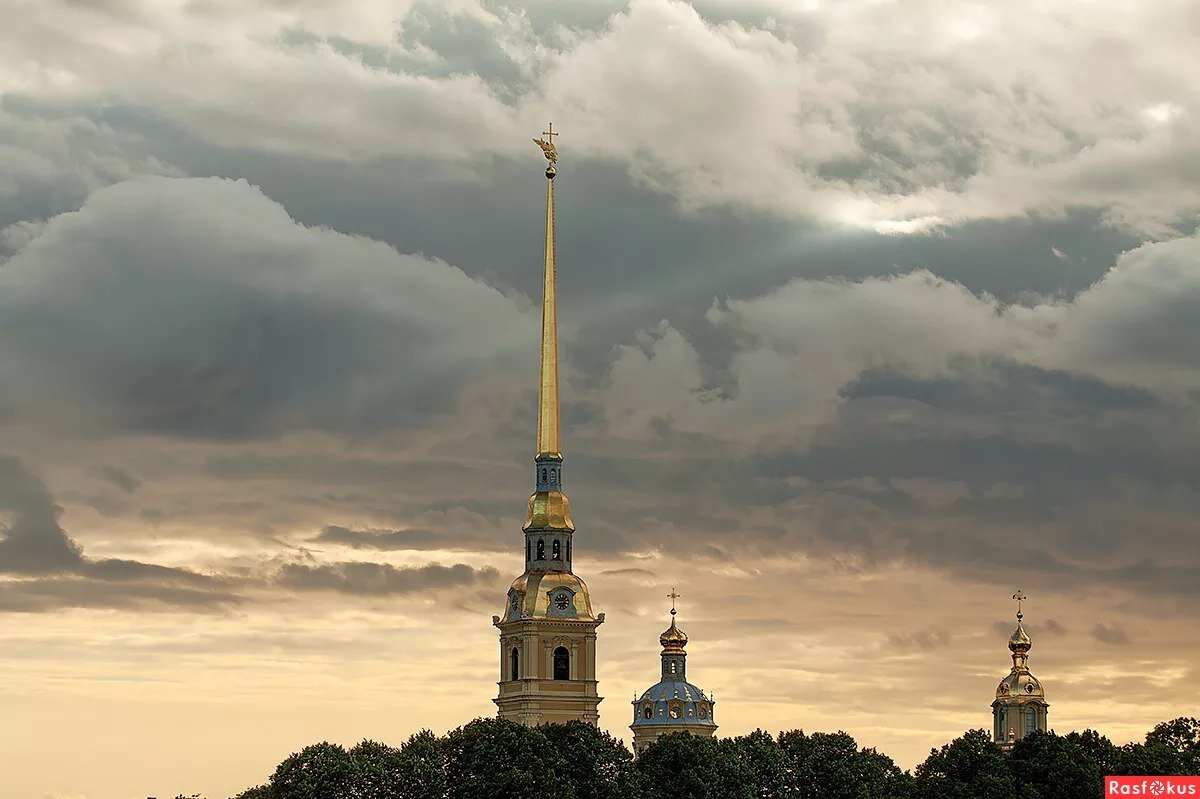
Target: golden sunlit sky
{"points": [[871, 313]]}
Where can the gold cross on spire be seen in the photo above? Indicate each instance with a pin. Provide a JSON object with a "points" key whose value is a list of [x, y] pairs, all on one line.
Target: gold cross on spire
{"points": [[1020, 597], [673, 595], [551, 133]]}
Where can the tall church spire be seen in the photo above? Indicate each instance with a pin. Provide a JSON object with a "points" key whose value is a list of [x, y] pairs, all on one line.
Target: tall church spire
{"points": [[548, 507], [548, 630], [548, 447]]}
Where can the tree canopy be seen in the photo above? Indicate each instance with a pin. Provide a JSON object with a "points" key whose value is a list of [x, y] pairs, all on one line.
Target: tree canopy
{"points": [[497, 759]]}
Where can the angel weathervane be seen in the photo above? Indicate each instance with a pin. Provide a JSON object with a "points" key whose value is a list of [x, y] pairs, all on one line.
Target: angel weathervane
{"points": [[547, 144]]}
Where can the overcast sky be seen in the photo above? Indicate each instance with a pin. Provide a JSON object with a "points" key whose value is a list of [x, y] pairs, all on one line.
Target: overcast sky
{"points": [[871, 313]]}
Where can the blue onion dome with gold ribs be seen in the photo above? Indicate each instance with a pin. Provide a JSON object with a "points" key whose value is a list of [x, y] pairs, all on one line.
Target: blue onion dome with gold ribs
{"points": [[673, 701]]}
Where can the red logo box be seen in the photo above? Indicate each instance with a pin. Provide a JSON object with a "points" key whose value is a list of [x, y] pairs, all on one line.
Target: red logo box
{"points": [[1151, 786]]}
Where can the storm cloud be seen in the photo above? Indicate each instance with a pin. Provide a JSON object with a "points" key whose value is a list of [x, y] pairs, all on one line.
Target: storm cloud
{"points": [[870, 314]]}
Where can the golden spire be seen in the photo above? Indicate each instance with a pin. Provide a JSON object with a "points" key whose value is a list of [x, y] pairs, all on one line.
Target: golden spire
{"points": [[548, 506], [547, 433]]}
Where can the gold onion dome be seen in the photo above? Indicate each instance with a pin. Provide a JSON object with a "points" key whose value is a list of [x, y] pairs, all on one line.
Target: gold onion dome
{"points": [[673, 639], [1019, 641], [1020, 682]]}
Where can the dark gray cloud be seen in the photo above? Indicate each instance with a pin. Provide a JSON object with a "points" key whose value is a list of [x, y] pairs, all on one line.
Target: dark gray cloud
{"points": [[1053, 627], [1110, 634], [40, 595], [381, 539], [237, 323], [382, 579], [52, 571], [253, 381], [33, 541], [118, 477], [932, 638]]}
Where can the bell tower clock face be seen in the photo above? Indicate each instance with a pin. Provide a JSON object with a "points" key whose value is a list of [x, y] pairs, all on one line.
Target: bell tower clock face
{"points": [[562, 601]]}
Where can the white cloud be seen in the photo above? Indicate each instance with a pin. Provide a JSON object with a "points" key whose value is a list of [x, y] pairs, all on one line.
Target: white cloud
{"points": [[801, 343], [889, 116]]}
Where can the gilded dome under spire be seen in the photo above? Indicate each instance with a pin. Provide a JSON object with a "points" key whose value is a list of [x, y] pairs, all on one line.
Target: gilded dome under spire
{"points": [[1019, 641], [673, 639]]}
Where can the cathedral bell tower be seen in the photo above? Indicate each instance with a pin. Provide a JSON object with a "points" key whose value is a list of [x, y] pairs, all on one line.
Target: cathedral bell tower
{"points": [[548, 630]]}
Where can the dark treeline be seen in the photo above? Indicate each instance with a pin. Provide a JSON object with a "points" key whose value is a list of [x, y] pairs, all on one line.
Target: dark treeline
{"points": [[494, 759]]}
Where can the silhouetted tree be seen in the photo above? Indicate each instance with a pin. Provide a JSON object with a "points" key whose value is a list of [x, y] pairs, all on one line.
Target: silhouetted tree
{"points": [[257, 792], [760, 756], [377, 771], [596, 765], [421, 767], [499, 759], [684, 766], [1099, 750], [831, 766], [1175, 744], [495, 759], [320, 771], [969, 767], [1048, 766]]}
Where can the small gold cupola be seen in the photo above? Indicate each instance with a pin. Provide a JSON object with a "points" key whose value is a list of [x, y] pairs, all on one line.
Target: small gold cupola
{"points": [[1020, 706]]}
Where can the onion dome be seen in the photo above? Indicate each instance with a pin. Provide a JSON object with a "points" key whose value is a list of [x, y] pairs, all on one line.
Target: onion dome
{"points": [[1019, 641], [673, 703], [673, 639]]}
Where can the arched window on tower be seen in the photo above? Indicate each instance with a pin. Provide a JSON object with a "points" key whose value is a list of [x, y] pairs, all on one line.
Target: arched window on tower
{"points": [[1031, 719], [557, 552], [528, 548], [568, 549], [554, 477], [514, 662], [562, 664], [543, 475], [541, 550], [648, 712]]}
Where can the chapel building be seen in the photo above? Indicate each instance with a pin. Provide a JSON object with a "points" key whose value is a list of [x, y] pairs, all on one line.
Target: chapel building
{"points": [[672, 704]]}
